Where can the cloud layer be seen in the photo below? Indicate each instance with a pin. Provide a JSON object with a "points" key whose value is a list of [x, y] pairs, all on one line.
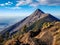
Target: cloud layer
{"points": [[32, 3], [49, 2], [37, 2]]}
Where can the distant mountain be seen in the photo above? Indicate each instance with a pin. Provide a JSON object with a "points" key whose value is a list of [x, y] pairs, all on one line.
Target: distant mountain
{"points": [[35, 16], [3, 26]]}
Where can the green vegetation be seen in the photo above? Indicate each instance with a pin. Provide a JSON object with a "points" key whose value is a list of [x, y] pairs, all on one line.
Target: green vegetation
{"points": [[46, 25], [20, 32], [24, 28], [4, 37], [1, 39]]}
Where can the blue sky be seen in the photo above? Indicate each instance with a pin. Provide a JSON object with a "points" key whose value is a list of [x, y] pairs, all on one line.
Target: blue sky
{"points": [[16, 8]]}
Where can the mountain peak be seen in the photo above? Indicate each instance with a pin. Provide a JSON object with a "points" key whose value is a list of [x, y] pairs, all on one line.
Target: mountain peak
{"points": [[38, 13], [38, 10]]}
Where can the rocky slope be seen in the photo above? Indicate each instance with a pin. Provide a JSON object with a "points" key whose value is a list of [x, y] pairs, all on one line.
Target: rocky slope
{"points": [[46, 36]]}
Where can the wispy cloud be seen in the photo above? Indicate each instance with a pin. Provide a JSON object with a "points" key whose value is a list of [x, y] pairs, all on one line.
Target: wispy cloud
{"points": [[14, 8], [49, 2], [6, 4], [20, 3], [27, 2], [37, 2], [2, 5], [23, 2]]}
